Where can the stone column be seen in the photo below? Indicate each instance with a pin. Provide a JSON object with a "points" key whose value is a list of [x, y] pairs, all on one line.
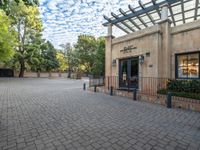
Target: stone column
{"points": [[109, 30], [164, 11], [108, 55], [164, 54]]}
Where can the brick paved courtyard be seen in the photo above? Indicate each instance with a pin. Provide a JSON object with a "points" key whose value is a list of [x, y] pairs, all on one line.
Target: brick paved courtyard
{"points": [[56, 114]]}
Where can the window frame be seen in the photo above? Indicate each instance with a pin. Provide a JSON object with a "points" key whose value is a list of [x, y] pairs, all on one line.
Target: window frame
{"points": [[176, 65]]}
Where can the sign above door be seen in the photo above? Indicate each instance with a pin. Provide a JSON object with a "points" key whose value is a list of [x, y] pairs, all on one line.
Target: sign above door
{"points": [[128, 49]]}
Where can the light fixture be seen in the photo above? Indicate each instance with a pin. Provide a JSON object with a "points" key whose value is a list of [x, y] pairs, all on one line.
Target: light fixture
{"points": [[114, 62], [141, 59]]}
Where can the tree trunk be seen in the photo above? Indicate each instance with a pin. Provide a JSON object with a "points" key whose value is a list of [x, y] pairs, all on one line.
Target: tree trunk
{"points": [[22, 68], [49, 74], [69, 73], [38, 73]]}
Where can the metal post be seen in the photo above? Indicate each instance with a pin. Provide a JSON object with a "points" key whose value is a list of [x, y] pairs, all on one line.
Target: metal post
{"points": [[89, 82], [84, 86], [128, 85], [134, 94], [111, 91], [169, 100], [108, 83], [95, 88]]}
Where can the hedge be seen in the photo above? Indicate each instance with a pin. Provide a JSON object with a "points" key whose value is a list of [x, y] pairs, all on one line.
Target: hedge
{"points": [[183, 88]]}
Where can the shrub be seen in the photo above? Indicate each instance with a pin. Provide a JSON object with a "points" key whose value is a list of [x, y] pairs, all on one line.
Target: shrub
{"points": [[190, 86], [183, 88]]}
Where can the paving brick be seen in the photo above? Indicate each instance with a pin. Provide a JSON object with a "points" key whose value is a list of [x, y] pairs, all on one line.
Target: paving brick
{"points": [[57, 114]]}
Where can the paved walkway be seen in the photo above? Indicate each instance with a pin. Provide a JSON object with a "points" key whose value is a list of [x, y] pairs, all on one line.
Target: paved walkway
{"points": [[56, 114]]}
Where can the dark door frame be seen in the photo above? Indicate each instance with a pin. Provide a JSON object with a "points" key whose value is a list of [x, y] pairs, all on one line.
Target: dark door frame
{"points": [[128, 59]]}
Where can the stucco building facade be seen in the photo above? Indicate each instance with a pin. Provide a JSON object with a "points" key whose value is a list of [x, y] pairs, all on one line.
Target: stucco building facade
{"points": [[159, 51]]}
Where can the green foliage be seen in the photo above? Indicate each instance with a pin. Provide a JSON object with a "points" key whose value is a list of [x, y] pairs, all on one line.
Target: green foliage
{"points": [[50, 61], [62, 61], [99, 58], [191, 86], [183, 88], [71, 57], [5, 4], [27, 21], [7, 38], [90, 54], [180, 94], [33, 53], [85, 49]]}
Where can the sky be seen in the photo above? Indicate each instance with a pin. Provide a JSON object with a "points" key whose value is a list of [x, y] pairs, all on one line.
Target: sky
{"points": [[64, 20]]}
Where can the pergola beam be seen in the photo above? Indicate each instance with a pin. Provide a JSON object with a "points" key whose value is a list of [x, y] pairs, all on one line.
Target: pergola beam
{"points": [[108, 19], [142, 6], [196, 9], [124, 23], [172, 15], [157, 9], [140, 12], [122, 28], [133, 22], [182, 9], [133, 11]]}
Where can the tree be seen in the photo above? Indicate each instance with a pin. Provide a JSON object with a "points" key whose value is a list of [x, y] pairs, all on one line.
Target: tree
{"points": [[70, 57], [28, 25], [50, 61], [91, 54], [34, 53], [85, 49], [5, 4], [62, 61], [7, 38], [98, 67]]}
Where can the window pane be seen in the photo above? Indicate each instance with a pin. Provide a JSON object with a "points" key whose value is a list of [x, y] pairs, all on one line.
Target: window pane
{"points": [[193, 65], [188, 65], [182, 61], [124, 66], [182, 66], [182, 72]]}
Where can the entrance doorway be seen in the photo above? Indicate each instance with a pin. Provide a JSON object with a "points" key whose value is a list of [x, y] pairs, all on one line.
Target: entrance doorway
{"points": [[128, 73]]}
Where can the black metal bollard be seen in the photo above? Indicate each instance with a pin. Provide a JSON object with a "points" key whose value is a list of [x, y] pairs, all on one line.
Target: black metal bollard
{"points": [[111, 91], [95, 88], [169, 100], [134, 94], [84, 86]]}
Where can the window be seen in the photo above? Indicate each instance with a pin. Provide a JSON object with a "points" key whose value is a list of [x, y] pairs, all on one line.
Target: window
{"points": [[187, 65]]}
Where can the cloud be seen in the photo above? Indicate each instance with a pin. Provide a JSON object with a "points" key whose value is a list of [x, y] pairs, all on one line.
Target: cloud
{"points": [[64, 20]]}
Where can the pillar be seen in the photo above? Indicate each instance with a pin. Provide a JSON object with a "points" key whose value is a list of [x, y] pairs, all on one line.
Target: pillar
{"points": [[164, 11], [164, 54], [108, 55], [109, 30]]}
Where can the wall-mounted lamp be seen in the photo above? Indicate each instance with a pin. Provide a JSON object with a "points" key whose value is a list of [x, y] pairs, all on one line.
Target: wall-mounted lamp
{"points": [[114, 62], [141, 59]]}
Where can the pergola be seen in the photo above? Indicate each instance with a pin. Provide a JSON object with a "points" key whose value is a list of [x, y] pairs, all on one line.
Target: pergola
{"points": [[148, 14]]}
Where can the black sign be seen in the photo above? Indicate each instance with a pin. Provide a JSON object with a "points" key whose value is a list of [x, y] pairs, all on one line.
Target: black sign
{"points": [[128, 49]]}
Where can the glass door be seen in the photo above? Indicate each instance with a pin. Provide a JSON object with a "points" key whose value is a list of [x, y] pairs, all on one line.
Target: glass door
{"points": [[123, 73], [134, 72], [128, 73]]}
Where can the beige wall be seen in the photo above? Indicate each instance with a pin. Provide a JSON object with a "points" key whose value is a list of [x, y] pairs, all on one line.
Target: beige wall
{"points": [[42, 74], [185, 38], [144, 44], [161, 41]]}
